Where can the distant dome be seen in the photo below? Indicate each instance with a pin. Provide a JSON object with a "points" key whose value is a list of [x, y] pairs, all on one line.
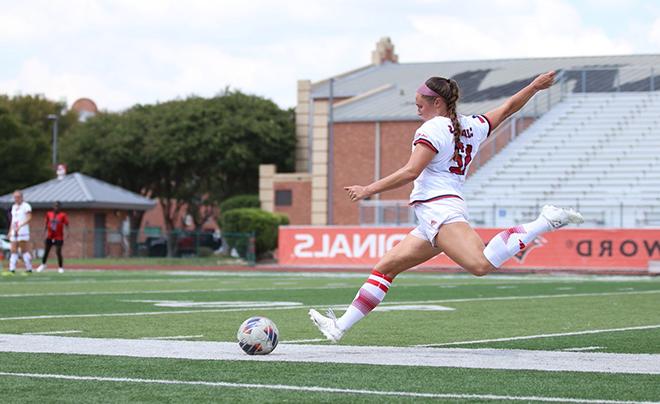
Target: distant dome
{"points": [[85, 108]]}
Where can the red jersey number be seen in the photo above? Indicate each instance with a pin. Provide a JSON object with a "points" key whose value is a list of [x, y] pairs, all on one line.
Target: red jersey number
{"points": [[462, 158]]}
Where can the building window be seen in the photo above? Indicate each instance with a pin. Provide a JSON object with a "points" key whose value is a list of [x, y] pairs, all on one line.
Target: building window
{"points": [[283, 197]]}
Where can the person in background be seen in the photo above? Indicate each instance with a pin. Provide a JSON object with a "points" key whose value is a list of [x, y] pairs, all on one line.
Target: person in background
{"points": [[19, 232], [55, 222]]}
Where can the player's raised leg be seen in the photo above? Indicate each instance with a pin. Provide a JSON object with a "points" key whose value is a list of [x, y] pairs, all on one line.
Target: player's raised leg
{"points": [[509, 242], [464, 246], [410, 252]]}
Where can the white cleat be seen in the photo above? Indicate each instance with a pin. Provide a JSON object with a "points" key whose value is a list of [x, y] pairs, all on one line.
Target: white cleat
{"points": [[60, 270], [559, 217], [327, 325], [41, 268]]}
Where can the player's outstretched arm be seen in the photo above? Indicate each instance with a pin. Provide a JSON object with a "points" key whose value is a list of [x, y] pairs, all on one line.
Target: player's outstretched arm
{"points": [[419, 159], [519, 99]]}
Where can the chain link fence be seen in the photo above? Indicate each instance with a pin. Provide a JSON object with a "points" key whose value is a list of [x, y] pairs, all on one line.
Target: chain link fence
{"points": [[107, 243]]}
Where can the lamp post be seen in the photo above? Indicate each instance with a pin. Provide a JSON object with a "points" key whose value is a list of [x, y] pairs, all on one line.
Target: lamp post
{"points": [[55, 119]]}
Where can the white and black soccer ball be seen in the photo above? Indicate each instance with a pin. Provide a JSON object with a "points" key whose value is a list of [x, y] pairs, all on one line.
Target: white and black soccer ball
{"points": [[257, 336]]}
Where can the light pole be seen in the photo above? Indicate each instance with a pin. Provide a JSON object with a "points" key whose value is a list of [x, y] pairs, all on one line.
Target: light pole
{"points": [[55, 119]]}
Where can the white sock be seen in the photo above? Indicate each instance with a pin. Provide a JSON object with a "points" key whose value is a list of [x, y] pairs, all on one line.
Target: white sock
{"points": [[368, 297], [13, 259], [508, 243], [27, 259]]}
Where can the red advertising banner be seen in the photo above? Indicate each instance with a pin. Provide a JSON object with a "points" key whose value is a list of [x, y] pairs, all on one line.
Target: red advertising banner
{"points": [[564, 249]]}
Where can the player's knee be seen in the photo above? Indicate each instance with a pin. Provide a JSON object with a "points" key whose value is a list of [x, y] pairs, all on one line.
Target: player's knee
{"points": [[480, 268], [390, 268]]}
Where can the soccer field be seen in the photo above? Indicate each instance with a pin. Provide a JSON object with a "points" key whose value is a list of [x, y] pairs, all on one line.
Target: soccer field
{"points": [[169, 336]]}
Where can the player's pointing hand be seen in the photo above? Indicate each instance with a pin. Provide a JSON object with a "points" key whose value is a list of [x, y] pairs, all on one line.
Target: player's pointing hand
{"points": [[356, 192]]}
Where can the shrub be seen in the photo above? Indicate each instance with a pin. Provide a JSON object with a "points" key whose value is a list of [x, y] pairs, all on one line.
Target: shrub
{"points": [[282, 219], [239, 201], [263, 224]]}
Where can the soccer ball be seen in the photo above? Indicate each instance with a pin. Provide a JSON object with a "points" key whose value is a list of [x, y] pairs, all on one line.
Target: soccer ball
{"points": [[257, 336]]}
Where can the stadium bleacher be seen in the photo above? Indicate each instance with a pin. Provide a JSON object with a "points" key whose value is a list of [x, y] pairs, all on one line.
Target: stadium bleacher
{"points": [[597, 152]]}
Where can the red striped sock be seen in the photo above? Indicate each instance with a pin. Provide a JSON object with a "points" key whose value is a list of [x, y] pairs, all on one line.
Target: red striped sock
{"points": [[368, 297]]}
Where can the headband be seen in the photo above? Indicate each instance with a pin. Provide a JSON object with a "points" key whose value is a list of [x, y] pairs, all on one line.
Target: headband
{"points": [[425, 90]]}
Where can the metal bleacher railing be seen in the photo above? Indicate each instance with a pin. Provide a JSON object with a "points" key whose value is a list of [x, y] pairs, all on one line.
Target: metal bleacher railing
{"points": [[577, 88]]}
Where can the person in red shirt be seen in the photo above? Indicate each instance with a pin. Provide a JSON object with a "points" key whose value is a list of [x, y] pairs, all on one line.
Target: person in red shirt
{"points": [[55, 222]]}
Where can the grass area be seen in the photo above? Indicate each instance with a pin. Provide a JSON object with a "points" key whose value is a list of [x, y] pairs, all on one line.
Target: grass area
{"points": [[404, 379], [211, 305]]}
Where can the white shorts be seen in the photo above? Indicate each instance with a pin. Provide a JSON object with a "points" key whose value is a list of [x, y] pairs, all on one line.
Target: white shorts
{"points": [[432, 215], [22, 236]]}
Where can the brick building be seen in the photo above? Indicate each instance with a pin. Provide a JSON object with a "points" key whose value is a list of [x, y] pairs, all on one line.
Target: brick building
{"points": [[97, 214], [357, 127]]}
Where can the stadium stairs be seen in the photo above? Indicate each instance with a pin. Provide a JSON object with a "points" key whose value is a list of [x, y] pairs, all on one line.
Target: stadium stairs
{"points": [[598, 152]]}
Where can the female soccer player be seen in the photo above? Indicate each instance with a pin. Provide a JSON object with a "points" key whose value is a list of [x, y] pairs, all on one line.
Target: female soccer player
{"points": [[442, 150], [19, 232]]}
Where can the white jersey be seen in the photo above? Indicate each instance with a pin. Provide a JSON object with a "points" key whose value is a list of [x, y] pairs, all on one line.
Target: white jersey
{"points": [[18, 216], [444, 176]]}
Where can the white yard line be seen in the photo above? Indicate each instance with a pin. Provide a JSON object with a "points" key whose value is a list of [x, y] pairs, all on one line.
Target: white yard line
{"points": [[475, 299], [302, 341], [368, 355], [182, 291], [524, 297], [316, 389], [561, 334], [584, 348], [142, 313], [175, 337], [97, 281], [53, 332]]}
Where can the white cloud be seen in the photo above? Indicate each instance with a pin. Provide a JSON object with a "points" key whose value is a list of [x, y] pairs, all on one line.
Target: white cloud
{"points": [[547, 29], [654, 34], [123, 52], [36, 77]]}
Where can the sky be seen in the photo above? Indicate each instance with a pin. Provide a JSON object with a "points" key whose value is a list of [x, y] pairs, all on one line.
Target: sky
{"points": [[125, 52]]}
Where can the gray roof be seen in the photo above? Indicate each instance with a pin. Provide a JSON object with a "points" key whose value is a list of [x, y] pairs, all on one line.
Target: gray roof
{"points": [[80, 191], [484, 83]]}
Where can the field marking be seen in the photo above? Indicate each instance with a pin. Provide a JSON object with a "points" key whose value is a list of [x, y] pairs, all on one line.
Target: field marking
{"points": [[138, 292], [524, 297], [321, 273], [53, 332], [561, 334], [584, 348], [96, 281], [317, 389], [475, 299], [511, 359], [166, 291], [228, 304], [302, 341], [417, 307], [175, 337], [138, 314]]}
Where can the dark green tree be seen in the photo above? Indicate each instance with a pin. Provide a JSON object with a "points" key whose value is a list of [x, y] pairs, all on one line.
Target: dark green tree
{"points": [[33, 111], [190, 154], [23, 153]]}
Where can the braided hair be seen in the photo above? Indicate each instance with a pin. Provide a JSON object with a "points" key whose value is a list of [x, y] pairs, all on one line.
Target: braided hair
{"points": [[448, 90]]}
